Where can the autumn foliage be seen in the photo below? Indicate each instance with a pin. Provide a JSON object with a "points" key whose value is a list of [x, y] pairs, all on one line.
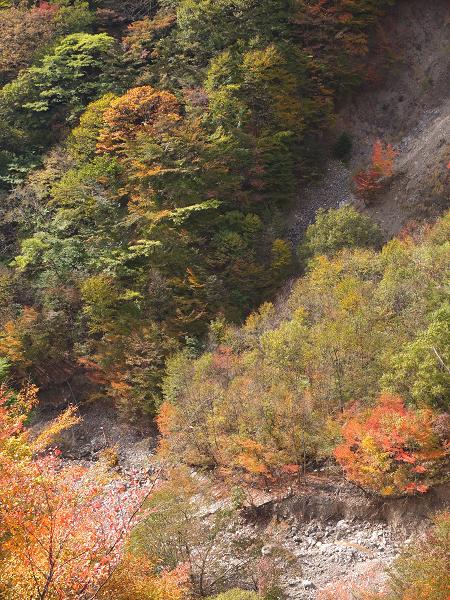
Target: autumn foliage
{"points": [[62, 527], [136, 579], [369, 181], [359, 322], [391, 449], [22, 31], [140, 110], [150, 152], [163, 141]]}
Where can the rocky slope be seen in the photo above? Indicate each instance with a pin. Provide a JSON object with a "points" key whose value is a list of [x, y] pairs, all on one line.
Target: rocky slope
{"points": [[322, 533], [409, 107], [339, 535]]}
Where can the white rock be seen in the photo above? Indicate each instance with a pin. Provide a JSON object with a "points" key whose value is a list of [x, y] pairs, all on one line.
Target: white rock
{"points": [[308, 585], [266, 550]]}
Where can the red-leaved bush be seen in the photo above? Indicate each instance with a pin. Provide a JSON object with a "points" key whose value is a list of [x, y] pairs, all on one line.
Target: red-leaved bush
{"points": [[391, 449], [369, 181]]}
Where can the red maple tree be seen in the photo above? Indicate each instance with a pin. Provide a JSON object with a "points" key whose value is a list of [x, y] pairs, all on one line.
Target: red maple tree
{"points": [[369, 181]]}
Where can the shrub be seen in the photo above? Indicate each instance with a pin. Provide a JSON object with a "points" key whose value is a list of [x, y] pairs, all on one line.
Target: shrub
{"points": [[419, 370], [340, 228], [137, 578], [390, 449], [421, 571], [370, 181], [82, 142], [342, 149], [175, 532], [73, 74], [237, 595]]}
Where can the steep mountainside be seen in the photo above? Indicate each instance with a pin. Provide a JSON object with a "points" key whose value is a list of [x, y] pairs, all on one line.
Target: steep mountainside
{"points": [[224, 301], [407, 105]]}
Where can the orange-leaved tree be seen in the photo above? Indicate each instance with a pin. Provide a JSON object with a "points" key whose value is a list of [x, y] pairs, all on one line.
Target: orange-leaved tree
{"points": [[140, 110], [136, 579], [62, 527], [391, 449], [369, 181]]}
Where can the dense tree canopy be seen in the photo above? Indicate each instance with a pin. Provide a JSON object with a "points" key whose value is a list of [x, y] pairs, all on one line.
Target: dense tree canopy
{"points": [[179, 131], [278, 391]]}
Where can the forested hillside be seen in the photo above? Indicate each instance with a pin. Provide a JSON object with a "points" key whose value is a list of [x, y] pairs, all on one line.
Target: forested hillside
{"points": [[152, 156], [152, 150], [350, 362]]}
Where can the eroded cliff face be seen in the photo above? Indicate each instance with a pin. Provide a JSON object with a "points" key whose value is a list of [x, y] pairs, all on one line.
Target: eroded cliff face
{"points": [[407, 105], [319, 534], [340, 537]]}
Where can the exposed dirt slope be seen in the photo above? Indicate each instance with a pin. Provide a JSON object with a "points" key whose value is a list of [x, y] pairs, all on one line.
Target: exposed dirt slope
{"points": [[409, 108], [101, 426], [323, 530]]}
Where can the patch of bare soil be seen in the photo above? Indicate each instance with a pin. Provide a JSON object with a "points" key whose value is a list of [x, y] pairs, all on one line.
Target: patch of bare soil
{"points": [[409, 108], [101, 426]]}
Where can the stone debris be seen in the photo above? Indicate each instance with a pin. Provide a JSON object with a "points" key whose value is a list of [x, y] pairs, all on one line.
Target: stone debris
{"points": [[326, 552]]}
